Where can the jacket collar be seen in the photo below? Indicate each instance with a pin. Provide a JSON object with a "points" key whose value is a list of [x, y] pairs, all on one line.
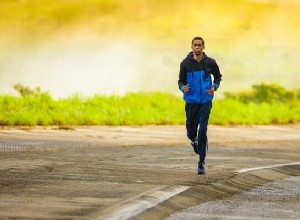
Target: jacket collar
{"points": [[190, 56]]}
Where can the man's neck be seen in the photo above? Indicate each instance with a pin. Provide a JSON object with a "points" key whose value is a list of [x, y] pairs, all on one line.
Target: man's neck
{"points": [[198, 57]]}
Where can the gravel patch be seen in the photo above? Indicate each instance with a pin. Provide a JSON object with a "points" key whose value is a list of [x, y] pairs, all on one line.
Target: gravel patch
{"points": [[275, 200]]}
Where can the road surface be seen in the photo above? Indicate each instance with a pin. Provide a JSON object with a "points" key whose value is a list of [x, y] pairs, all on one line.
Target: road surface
{"points": [[135, 172]]}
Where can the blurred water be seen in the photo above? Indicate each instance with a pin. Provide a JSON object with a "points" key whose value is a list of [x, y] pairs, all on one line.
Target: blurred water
{"points": [[118, 67], [72, 69]]}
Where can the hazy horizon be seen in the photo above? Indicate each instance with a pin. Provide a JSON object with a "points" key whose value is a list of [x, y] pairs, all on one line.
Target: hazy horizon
{"points": [[118, 48]]}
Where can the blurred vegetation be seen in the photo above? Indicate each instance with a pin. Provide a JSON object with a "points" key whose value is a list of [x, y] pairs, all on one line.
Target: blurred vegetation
{"points": [[264, 104], [268, 93], [27, 91]]}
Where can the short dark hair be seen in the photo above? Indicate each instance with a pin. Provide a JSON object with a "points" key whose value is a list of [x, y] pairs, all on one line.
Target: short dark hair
{"points": [[198, 38]]}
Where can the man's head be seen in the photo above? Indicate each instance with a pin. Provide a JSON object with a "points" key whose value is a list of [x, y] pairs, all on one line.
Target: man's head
{"points": [[197, 45]]}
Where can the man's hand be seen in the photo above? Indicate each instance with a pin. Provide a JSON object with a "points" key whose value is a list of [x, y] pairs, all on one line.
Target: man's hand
{"points": [[186, 88], [211, 91]]}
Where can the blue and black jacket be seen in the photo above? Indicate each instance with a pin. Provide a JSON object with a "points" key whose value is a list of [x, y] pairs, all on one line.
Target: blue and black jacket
{"points": [[198, 76]]}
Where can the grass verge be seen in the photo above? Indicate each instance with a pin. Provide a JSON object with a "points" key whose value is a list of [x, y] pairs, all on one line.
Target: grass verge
{"points": [[264, 104]]}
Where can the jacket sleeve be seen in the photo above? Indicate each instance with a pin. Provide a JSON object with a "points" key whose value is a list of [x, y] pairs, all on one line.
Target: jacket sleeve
{"points": [[215, 71], [182, 77]]}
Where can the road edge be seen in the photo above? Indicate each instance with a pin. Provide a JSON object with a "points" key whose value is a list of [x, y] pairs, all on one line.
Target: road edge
{"points": [[241, 181]]}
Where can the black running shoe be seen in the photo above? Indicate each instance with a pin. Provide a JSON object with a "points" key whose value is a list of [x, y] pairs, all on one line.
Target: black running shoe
{"points": [[201, 169]]}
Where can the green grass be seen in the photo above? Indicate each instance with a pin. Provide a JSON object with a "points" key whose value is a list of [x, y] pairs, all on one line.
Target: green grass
{"points": [[131, 109], [233, 112], [264, 104]]}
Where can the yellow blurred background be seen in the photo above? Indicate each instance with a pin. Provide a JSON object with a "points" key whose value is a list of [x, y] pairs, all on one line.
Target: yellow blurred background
{"points": [[116, 46]]}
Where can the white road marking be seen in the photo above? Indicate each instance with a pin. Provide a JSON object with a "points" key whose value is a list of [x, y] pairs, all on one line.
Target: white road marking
{"points": [[267, 167], [132, 208]]}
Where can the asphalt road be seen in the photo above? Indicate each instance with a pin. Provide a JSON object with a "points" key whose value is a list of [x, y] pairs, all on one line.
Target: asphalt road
{"points": [[135, 172], [275, 200]]}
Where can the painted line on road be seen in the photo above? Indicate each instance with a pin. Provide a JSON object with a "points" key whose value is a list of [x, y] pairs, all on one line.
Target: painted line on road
{"points": [[134, 207], [267, 167]]}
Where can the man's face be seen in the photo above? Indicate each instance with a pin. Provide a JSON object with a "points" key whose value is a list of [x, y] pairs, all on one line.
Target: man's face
{"points": [[197, 47]]}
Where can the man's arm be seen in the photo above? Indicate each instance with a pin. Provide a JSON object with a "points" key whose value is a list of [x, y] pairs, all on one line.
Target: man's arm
{"points": [[217, 75], [182, 77]]}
